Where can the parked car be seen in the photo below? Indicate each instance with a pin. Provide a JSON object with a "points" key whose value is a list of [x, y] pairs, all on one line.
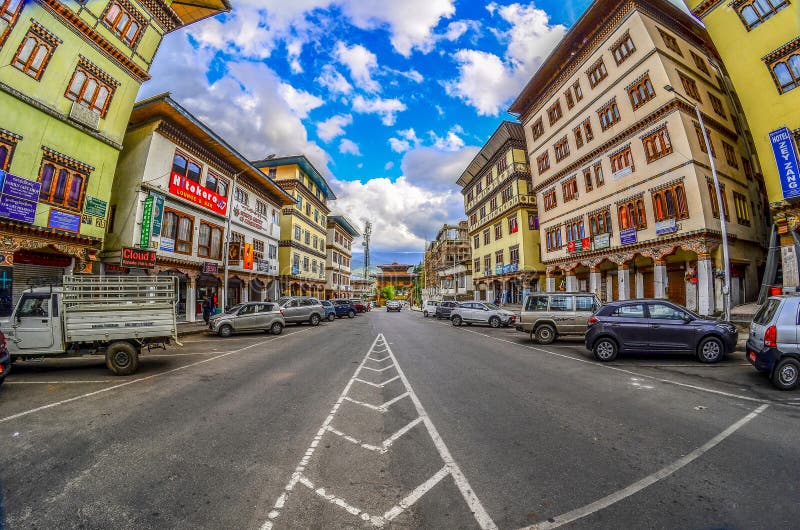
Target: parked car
{"points": [[344, 308], [548, 316], [657, 326], [393, 305], [481, 313], [5, 358], [330, 311], [444, 309], [299, 309], [429, 308], [773, 345], [359, 306], [250, 316]]}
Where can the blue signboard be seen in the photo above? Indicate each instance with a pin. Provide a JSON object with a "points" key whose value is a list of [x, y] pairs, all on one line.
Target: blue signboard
{"points": [[17, 209], [666, 227], [167, 244], [64, 220], [514, 267], [18, 197], [295, 269], [786, 158], [19, 187], [506, 269], [627, 236]]}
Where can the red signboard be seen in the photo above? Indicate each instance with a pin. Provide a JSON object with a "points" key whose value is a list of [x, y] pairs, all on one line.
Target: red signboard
{"points": [[190, 190], [570, 246], [586, 243], [138, 258], [248, 256]]}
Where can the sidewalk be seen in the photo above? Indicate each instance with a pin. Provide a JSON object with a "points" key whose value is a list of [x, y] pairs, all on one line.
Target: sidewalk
{"points": [[191, 328]]}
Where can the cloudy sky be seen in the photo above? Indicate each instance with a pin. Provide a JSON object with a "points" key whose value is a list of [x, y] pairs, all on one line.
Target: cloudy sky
{"points": [[390, 100]]}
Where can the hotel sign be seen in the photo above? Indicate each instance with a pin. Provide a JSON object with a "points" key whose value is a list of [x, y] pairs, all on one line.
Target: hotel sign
{"points": [[786, 158], [190, 190]]}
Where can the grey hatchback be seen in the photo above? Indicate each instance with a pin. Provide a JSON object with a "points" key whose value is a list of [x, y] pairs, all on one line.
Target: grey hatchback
{"points": [[252, 316], [299, 309], [773, 345]]}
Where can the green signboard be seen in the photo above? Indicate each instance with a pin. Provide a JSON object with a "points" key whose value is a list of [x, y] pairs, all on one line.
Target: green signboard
{"points": [[158, 213], [95, 206], [147, 220]]}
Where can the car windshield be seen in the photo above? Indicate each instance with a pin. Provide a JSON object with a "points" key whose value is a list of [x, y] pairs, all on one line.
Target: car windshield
{"points": [[233, 309], [491, 306], [282, 301], [767, 312]]}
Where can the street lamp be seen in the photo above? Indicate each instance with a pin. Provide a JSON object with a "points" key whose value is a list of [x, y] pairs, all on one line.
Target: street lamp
{"points": [[726, 286]]}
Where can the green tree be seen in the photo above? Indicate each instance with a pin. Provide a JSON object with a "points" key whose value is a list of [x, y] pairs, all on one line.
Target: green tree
{"points": [[419, 282], [387, 293]]}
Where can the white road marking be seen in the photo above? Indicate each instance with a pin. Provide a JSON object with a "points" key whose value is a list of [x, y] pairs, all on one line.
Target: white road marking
{"points": [[147, 378], [57, 382], [379, 360], [649, 480], [379, 369], [417, 494], [380, 408], [378, 385], [385, 445]]}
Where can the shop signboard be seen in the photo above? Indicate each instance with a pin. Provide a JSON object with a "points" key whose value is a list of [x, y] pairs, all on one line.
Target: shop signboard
{"points": [[18, 197], [210, 267], [514, 267], [262, 265], [498, 269], [158, 213], [17, 209], [786, 159], [666, 227], [295, 269], [506, 268], [190, 190], [95, 206], [573, 246], [602, 241], [247, 256], [248, 217], [234, 253], [147, 220], [586, 243], [167, 244], [62, 220], [627, 236], [138, 258]]}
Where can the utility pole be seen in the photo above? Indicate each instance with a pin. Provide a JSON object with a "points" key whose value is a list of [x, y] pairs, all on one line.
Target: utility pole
{"points": [[232, 192], [365, 243]]}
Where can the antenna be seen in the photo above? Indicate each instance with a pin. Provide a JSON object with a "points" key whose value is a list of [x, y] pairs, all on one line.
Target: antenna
{"points": [[365, 243]]}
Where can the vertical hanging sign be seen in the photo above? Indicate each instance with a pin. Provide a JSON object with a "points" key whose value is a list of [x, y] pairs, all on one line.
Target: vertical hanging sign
{"points": [[147, 220], [786, 158], [158, 213]]}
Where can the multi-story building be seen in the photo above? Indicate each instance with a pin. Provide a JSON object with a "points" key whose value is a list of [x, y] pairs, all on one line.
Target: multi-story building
{"points": [[628, 207], [70, 77], [448, 263], [341, 233], [179, 194], [502, 216], [398, 276], [362, 288], [304, 224], [759, 42]]}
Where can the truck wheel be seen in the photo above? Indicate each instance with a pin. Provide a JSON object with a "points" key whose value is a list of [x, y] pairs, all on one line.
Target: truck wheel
{"points": [[314, 320], [276, 328], [122, 358], [786, 375], [225, 331], [545, 334]]}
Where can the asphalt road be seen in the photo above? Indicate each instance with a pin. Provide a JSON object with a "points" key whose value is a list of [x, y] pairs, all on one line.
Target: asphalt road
{"points": [[396, 421]]}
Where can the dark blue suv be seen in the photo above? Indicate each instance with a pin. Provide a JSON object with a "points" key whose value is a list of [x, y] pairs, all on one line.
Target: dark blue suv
{"points": [[344, 308]]}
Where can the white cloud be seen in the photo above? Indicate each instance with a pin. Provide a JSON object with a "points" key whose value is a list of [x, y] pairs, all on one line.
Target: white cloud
{"points": [[385, 108], [399, 146], [450, 142], [361, 62], [331, 79], [409, 140], [299, 101], [436, 169], [389, 165], [333, 126], [349, 147]]}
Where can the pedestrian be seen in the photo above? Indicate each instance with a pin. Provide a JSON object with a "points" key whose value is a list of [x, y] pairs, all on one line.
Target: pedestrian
{"points": [[497, 300], [208, 308]]}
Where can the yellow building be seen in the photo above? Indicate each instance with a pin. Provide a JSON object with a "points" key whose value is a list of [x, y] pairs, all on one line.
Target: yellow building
{"points": [[503, 221], [759, 43], [301, 254]]}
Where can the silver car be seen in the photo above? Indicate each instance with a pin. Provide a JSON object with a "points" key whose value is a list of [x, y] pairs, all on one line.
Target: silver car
{"points": [[547, 316], [299, 309], [773, 344], [251, 316], [481, 313]]}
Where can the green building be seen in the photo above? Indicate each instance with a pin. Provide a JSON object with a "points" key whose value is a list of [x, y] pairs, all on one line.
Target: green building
{"points": [[70, 72]]}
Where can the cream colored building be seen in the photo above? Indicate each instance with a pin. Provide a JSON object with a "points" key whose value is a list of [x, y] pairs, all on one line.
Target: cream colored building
{"points": [[341, 233], [627, 207]]}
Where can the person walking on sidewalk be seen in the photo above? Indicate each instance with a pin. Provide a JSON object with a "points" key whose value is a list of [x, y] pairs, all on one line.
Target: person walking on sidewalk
{"points": [[208, 308]]}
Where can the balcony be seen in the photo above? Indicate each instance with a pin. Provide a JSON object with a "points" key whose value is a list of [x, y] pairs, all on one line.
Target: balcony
{"points": [[516, 200], [516, 167]]}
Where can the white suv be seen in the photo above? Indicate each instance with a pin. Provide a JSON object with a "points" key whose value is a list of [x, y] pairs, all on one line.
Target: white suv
{"points": [[429, 308]]}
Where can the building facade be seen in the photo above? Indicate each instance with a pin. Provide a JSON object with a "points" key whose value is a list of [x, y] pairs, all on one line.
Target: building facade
{"points": [[304, 224], [180, 194], [448, 264], [341, 233], [398, 276], [362, 288], [70, 78], [503, 220], [759, 42], [628, 208]]}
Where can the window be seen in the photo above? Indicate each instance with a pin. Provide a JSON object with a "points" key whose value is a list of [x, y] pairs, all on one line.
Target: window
{"points": [[258, 249], [754, 12], [470, 196], [585, 303], [543, 162], [6, 153], [657, 145], [560, 303], [498, 257], [549, 198], [609, 115], [315, 242], [218, 185], [700, 63], [786, 72], [498, 231], [598, 175], [597, 73], [34, 53], [622, 162], [179, 227], [716, 103], [486, 237], [632, 215], [670, 203], [536, 303], [209, 241], [476, 266], [554, 113], [623, 49], [561, 149], [297, 233], [670, 42], [600, 222], [742, 211], [629, 311], [587, 179], [533, 222], [570, 100], [514, 254], [479, 187], [9, 12], [507, 194], [90, 89], [666, 312], [702, 141], [125, 23], [689, 86], [483, 211], [473, 219], [308, 208], [578, 137], [493, 204], [576, 87], [237, 237], [575, 230], [185, 167], [487, 263], [730, 154], [641, 92], [570, 189], [476, 242], [62, 185], [553, 238], [314, 266], [261, 208], [307, 238], [242, 196], [305, 263], [513, 226], [715, 204], [502, 164], [537, 129], [587, 130], [273, 252]]}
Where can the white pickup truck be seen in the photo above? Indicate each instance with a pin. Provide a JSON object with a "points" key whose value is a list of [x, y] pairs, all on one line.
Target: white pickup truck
{"points": [[101, 315]]}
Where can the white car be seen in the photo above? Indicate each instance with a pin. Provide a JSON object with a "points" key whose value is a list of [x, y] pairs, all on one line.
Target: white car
{"points": [[429, 308]]}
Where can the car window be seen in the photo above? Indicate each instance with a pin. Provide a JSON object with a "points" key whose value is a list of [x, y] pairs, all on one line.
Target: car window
{"points": [[486, 305], [561, 303], [629, 311], [767, 312], [37, 305], [666, 312], [248, 310], [282, 300], [536, 303], [305, 302], [585, 303], [294, 303]]}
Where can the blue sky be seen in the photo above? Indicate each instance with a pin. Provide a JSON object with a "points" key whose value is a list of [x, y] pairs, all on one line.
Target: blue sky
{"points": [[390, 100]]}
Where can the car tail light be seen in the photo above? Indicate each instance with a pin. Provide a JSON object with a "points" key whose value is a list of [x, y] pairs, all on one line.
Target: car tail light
{"points": [[771, 337], [593, 320]]}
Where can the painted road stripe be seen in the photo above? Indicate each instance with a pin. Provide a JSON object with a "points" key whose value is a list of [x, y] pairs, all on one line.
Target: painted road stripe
{"points": [[417, 494], [379, 360], [378, 385], [385, 445], [638, 486], [57, 382], [379, 369]]}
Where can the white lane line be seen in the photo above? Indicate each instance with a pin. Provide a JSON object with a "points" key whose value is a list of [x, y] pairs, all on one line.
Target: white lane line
{"points": [[376, 521], [385, 445], [379, 360], [415, 495], [380, 408], [392, 401], [479, 512], [356, 441], [379, 385], [57, 382], [147, 378], [379, 369], [636, 487], [368, 405]]}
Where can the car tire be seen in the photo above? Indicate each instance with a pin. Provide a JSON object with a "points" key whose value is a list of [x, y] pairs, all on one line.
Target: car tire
{"points": [[605, 350], [786, 375], [710, 350], [351, 314], [122, 358], [331, 317], [456, 320], [545, 334], [314, 320], [276, 328], [494, 322], [225, 331]]}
